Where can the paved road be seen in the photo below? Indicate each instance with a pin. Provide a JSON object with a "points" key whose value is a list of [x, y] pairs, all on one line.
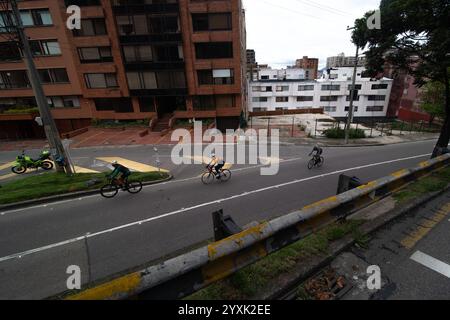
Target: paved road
{"points": [[412, 253], [107, 236]]}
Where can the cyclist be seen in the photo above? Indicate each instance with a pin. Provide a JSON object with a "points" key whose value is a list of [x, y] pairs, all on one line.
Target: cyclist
{"points": [[120, 173], [217, 163], [317, 153]]}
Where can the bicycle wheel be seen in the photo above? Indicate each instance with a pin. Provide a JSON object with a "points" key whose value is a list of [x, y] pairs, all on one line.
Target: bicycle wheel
{"points": [[109, 191], [207, 178], [226, 175], [134, 187], [321, 161], [311, 164]]}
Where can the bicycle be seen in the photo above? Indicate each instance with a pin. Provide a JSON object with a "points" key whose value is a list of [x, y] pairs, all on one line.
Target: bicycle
{"points": [[316, 161], [111, 189], [209, 176]]}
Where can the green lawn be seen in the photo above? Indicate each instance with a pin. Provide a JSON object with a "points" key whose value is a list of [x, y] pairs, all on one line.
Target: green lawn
{"points": [[49, 184]]}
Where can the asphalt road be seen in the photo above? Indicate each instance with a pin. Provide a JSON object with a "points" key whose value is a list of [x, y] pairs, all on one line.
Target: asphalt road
{"points": [[105, 236]]}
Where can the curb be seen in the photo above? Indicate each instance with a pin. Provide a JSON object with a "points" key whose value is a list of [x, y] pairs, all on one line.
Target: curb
{"points": [[287, 290], [65, 196]]}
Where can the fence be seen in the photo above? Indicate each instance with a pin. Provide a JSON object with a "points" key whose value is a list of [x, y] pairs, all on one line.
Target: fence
{"points": [[190, 272]]}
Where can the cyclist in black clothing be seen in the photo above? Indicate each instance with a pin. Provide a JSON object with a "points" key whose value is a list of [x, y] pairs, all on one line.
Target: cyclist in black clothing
{"points": [[317, 153], [120, 173]]}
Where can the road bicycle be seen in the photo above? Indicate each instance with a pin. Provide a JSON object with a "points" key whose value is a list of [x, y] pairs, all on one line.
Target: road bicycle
{"points": [[316, 161], [111, 189], [209, 176]]}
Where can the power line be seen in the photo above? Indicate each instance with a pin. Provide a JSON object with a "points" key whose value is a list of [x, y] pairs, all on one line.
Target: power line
{"points": [[326, 8]]}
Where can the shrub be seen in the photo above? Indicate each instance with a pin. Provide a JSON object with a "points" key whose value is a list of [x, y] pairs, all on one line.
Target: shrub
{"points": [[338, 133]]}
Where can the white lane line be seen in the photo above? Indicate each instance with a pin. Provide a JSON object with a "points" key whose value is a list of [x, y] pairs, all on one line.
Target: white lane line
{"points": [[182, 210], [431, 263]]}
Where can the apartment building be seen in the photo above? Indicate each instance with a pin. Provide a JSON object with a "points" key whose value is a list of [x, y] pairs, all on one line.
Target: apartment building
{"points": [[131, 59], [311, 65], [341, 60], [330, 93]]}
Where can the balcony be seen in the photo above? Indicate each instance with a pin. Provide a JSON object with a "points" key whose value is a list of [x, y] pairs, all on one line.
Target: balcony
{"points": [[139, 6]]}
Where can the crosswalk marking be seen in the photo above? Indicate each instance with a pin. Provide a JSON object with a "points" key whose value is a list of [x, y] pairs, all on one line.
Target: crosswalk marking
{"points": [[6, 165], [84, 170], [132, 165]]}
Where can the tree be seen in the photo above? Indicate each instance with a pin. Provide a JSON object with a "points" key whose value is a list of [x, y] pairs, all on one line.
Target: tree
{"points": [[433, 100], [414, 37]]}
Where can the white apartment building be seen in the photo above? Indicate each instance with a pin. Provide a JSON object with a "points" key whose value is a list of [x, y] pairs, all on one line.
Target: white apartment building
{"points": [[332, 93]]}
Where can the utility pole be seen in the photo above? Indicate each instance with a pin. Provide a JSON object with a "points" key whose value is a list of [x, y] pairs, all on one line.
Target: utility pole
{"points": [[48, 122], [352, 90]]}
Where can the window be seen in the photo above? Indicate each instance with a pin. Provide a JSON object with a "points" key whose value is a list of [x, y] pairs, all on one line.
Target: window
{"points": [[141, 80], [91, 27], [374, 108], [357, 87], [58, 75], [215, 76], [329, 98], [282, 99], [264, 77], [355, 108], [355, 98], [214, 50], [114, 104], [259, 99], [282, 88], [266, 89], [329, 109], [140, 24], [95, 54], [9, 51], [14, 79], [212, 102], [137, 53], [379, 86], [376, 98], [39, 17], [259, 109], [306, 88], [100, 80], [63, 102], [156, 80], [211, 21], [331, 87], [305, 98]]}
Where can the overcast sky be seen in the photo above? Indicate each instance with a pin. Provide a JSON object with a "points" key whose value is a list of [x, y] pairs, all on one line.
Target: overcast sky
{"points": [[281, 31]]}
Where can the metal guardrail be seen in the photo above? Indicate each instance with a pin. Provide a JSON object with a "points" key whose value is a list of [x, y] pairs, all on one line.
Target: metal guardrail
{"points": [[192, 271]]}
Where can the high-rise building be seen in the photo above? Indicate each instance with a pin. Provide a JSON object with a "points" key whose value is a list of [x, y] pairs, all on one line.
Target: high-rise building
{"points": [[341, 60], [131, 59], [311, 65]]}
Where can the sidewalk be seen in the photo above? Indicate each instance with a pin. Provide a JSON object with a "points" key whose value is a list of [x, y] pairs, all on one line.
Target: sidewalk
{"points": [[97, 137]]}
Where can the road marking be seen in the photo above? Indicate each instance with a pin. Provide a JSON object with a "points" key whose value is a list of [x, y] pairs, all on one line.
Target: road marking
{"points": [[237, 196], [133, 165], [431, 263], [84, 170], [425, 226], [6, 165], [6, 176]]}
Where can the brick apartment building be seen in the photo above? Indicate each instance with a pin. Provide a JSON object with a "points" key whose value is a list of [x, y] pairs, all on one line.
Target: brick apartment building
{"points": [[311, 65], [131, 59]]}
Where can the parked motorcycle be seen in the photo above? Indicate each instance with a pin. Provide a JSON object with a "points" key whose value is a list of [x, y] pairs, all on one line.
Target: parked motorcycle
{"points": [[24, 162]]}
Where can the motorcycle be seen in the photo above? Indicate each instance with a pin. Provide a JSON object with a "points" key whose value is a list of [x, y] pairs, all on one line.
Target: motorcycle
{"points": [[24, 162]]}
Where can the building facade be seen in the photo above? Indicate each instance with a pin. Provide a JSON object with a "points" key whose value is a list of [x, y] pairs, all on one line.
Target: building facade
{"points": [[341, 60], [331, 94], [311, 65], [131, 59]]}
